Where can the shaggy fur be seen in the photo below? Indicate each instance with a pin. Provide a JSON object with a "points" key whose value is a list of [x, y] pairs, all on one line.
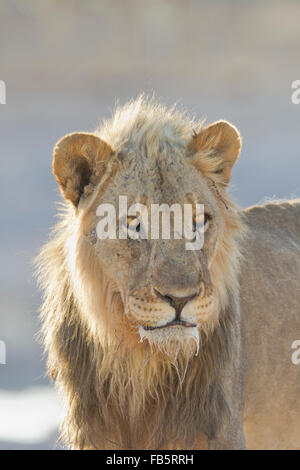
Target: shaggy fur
{"points": [[132, 397], [121, 392]]}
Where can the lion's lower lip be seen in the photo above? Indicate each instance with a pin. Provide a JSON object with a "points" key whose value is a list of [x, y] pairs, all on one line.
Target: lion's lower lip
{"points": [[172, 323]]}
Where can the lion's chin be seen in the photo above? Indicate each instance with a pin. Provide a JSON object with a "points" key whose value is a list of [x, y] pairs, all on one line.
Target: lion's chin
{"points": [[172, 340]]}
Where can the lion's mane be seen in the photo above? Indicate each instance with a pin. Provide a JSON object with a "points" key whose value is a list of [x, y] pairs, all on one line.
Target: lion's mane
{"points": [[131, 398]]}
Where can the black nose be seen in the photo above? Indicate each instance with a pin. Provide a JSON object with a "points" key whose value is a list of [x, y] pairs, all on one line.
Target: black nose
{"points": [[176, 302]]}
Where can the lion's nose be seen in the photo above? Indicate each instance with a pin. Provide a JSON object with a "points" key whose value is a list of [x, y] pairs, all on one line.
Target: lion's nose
{"points": [[176, 302]]}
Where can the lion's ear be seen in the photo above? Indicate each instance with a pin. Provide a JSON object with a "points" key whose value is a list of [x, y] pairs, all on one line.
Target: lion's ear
{"points": [[216, 148], [78, 160]]}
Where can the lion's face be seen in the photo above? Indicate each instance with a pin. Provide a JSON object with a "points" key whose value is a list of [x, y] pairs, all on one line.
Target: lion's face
{"points": [[166, 289]]}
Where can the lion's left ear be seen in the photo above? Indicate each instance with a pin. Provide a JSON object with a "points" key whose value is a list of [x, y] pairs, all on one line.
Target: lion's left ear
{"points": [[216, 148]]}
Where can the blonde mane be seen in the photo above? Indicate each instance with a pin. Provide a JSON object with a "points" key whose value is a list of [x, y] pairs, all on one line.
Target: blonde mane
{"points": [[109, 385]]}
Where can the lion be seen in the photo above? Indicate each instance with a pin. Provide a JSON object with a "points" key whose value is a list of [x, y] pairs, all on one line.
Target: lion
{"points": [[154, 346]]}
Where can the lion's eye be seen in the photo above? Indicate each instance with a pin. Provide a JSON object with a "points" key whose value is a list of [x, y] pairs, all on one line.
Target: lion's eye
{"points": [[201, 222], [207, 218], [133, 222], [133, 226]]}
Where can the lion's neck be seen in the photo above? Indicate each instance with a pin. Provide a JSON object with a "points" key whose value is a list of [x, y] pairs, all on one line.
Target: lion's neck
{"points": [[129, 399]]}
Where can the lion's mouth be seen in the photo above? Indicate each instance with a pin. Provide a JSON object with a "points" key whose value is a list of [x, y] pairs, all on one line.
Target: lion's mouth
{"points": [[183, 323]]}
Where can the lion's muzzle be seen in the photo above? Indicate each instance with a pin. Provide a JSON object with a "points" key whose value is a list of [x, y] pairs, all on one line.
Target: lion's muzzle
{"points": [[151, 310]]}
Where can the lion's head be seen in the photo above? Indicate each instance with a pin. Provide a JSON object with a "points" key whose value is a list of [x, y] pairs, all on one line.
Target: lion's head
{"points": [[143, 294]]}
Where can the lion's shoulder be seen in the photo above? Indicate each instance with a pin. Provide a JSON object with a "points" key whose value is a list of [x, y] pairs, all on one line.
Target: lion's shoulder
{"points": [[277, 219]]}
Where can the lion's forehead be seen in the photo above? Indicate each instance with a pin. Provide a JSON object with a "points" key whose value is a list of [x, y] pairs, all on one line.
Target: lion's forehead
{"points": [[176, 185]]}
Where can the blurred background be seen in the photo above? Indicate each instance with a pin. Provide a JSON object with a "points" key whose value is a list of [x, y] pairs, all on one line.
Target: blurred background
{"points": [[65, 63]]}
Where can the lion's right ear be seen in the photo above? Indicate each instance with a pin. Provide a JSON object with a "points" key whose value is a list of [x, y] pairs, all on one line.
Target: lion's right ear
{"points": [[78, 160]]}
